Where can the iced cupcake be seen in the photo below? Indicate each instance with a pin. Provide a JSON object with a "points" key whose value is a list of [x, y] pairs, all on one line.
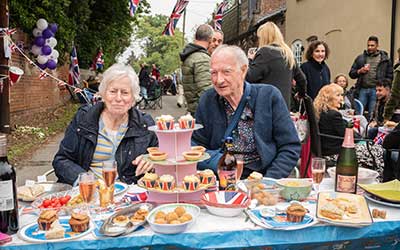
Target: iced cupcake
{"points": [[295, 213], [186, 121], [150, 180], [207, 176], [166, 182], [79, 222], [191, 182], [165, 122]]}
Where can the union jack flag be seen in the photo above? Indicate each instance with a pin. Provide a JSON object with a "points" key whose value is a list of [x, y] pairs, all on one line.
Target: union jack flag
{"points": [[43, 75], [133, 4], [74, 73], [218, 16], [174, 18]]}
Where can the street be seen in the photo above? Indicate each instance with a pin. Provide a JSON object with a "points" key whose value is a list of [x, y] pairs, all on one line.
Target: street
{"points": [[40, 162]]}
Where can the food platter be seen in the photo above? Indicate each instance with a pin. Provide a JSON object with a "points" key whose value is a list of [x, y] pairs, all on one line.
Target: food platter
{"points": [[31, 232], [179, 161], [388, 191], [279, 222], [343, 209], [110, 228]]}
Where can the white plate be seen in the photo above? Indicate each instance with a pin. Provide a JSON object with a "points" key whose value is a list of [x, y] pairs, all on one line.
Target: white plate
{"points": [[385, 203], [179, 161], [31, 233]]}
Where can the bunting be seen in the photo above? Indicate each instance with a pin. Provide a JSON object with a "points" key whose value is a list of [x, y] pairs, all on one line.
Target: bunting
{"points": [[133, 4], [218, 16], [179, 8], [74, 73]]}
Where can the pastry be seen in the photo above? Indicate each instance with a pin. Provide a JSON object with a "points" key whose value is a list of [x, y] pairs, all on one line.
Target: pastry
{"points": [[56, 231], [29, 193], [121, 220], [46, 218], [150, 180], [331, 211], [178, 216], [376, 213], [158, 156], [79, 222], [192, 155], [165, 122], [295, 213], [191, 182], [199, 148], [153, 149], [139, 215], [207, 176], [255, 176], [180, 211], [166, 182], [186, 121]]}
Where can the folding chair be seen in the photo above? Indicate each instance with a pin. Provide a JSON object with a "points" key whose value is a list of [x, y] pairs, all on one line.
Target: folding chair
{"points": [[153, 100]]}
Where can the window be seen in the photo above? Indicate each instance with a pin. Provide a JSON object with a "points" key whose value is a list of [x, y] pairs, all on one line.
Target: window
{"points": [[253, 7], [297, 48]]}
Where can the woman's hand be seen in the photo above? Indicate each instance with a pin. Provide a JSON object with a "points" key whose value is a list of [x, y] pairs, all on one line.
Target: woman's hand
{"points": [[142, 166]]}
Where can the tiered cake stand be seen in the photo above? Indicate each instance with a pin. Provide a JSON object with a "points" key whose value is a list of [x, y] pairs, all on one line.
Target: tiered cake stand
{"points": [[174, 143]]}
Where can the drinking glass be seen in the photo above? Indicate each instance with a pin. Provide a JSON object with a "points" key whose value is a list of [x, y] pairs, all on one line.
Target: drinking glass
{"points": [[87, 185], [318, 166], [109, 172], [239, 166]]}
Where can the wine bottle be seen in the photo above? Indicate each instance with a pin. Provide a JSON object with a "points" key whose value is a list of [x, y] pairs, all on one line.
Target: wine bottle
{"points": [[227, 167], [8, 195], [347, 166]]}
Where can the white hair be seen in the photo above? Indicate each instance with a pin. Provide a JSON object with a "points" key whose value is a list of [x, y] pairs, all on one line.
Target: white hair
{"points": [[237, 52], [118, 71]]}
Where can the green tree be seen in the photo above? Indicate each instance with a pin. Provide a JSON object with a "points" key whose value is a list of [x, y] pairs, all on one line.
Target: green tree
{"points": [[157, 48]]}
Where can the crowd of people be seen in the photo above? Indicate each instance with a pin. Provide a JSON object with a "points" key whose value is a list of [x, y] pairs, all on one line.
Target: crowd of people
{"points": [[248, 97]]}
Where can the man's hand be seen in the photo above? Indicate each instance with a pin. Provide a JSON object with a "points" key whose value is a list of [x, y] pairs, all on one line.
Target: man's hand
{"points": [[142, 166], [363, 70]]}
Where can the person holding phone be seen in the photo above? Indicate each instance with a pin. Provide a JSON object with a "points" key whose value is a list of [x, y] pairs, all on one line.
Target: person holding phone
{"points": [[273, 63]]}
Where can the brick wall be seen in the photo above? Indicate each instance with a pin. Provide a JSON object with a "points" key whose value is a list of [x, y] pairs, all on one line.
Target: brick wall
{"points": [[32, 95]]}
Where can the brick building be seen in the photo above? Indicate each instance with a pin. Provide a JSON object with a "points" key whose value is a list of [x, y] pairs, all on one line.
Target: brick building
{"points": [[242, 19], [32, 95]]}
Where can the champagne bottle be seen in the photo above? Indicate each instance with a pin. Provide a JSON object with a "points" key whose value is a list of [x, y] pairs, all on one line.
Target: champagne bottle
{"points": [[8, 195], [227, 166], [347, 166]]}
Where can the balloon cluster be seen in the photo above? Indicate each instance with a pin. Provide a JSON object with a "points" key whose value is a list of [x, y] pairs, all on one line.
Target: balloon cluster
{"points": [[44, 43]]}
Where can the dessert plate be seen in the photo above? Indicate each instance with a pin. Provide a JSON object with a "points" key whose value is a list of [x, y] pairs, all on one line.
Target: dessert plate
{"points": [[389, 191], [179, 161], [279, 222], [31, 232], [379, 201], [176, 128]]}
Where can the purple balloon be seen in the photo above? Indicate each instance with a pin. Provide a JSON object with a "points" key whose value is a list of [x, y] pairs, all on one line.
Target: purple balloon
{"points": [[46, 50], [39, 41], [42, 66], [47, 33], [51, 64], [53, 27]]}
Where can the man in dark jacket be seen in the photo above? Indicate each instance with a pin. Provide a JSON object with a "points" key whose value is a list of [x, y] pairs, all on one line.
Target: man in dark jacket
{"points": [[196, 66], [264, 137], [144, 80], [368, 68]]}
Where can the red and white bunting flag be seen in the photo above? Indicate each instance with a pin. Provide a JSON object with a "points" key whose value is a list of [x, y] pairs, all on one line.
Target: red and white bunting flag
{"points": [[43, 75], [13, 47]]}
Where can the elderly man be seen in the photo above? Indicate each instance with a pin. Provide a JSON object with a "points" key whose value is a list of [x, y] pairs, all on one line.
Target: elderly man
{"points": [[196, 66], [264, 137], [217, 40]]}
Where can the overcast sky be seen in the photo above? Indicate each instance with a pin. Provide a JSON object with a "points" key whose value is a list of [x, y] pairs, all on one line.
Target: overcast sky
{"points": [[197, 12]]}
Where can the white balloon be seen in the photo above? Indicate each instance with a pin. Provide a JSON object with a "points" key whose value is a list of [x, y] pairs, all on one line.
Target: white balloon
{"points": [[41, 24], [54, 54], [36, 32], [55, 60], [42, 59], [52, 42], [36, 50]]}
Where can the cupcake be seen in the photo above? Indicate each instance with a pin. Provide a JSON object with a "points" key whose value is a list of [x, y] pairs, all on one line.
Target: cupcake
{"points": [[191, 182], [207, 176], [186, 121], [79, 222], [165, 122], [150, 180], [166, 182], [46, 218], [295, 213]]}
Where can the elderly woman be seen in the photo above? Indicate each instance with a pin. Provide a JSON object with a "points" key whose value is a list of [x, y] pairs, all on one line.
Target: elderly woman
{"points": [[343, 81], [274, 63], [316, 70], [110, 131]]}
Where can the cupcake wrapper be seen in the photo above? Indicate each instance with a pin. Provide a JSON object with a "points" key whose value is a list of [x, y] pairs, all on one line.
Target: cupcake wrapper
{"points": [[80, 228], [150, 184], [185, 124], [294, 218], [166, 186], [44, 225], [206, 180], [191, 186]]}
